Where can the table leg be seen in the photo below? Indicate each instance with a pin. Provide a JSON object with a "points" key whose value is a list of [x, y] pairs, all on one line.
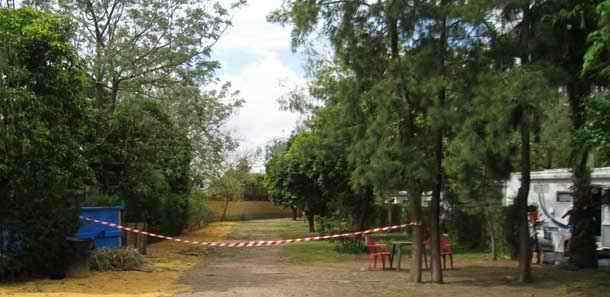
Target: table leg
{"points": [[399, 258], [392, 255]]}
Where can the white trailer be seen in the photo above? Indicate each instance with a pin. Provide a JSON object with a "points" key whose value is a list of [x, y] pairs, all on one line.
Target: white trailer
{"points": [[550, 191]]}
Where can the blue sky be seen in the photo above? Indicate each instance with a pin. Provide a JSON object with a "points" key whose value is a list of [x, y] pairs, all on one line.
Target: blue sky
{"points": [[257, 59]]}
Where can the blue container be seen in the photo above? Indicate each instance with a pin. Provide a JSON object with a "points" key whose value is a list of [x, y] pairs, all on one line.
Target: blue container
{"points": [[105, 236]]}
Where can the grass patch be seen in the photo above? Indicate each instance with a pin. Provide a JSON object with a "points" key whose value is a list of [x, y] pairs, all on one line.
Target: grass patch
{"points": [[116, 260], [269, 229], [248, 210], [595, 284], [314, 252], [301, 253]]}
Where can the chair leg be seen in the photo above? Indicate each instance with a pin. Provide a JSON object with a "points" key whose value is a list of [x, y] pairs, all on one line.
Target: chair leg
{"points": [[425, 260], [451, 260]]}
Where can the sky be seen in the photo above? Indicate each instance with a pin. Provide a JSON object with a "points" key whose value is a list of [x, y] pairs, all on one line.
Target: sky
{"points": [[257, 59]]}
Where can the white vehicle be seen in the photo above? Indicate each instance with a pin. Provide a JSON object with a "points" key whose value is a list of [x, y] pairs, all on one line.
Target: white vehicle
{"points": [[550, 190]]}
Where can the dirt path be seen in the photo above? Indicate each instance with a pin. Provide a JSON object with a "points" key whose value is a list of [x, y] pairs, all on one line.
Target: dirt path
{"points": [[270, 272], [265, 272]]}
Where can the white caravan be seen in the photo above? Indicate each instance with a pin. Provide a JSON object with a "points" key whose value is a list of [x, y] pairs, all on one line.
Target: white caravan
{"points": [[550, 191]]}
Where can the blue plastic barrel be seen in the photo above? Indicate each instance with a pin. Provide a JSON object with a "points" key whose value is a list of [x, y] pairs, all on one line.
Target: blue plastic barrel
{"points": [[104, 236]]}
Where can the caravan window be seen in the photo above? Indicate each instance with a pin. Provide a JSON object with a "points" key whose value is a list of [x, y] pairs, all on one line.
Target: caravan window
{"points": [[564, 196]]}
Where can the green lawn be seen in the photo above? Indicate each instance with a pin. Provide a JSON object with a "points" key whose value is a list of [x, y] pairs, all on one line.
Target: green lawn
{"points": [[314, 252], [301, 253]]}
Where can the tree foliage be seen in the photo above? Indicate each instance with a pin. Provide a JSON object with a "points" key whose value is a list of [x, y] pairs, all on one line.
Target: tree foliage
{"points": [[449, 97], [43, 116]]}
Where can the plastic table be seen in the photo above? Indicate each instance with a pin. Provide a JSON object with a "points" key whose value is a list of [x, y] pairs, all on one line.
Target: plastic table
{"points": [[396, 250]]}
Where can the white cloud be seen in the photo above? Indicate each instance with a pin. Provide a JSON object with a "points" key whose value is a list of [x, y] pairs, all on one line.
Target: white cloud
{"points": [[251, 30], [260, 119], [258, 77]]}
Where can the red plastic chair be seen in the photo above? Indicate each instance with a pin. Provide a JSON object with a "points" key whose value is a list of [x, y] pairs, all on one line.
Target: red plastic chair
{"points": [[376, 251], [446, 250]]}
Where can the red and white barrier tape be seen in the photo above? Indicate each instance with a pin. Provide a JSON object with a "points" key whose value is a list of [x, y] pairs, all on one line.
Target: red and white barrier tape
{"points": [[252, 243]]}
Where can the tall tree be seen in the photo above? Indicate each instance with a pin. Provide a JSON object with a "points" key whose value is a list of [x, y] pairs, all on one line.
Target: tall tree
{"points": [[292, 178], [556, 33], [159, 50], [396, 93], [509, 105]]}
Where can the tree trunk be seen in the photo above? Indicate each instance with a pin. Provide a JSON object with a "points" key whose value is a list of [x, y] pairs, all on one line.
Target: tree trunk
{"points": [[294, 213], [492, 235], [524, 237], [549, 159], [310, 221], [582, 245], [416, 271], [437, 273], [225, 209], [582, 248], [362, 208]]}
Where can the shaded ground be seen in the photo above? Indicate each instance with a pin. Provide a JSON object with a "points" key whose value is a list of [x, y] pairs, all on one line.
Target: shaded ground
{"points": [[314, 269], [166, 262]]}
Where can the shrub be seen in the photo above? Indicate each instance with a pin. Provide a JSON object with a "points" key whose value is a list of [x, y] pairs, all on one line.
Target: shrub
{"points": [[336, 225], [199, 212], [116, 260], [45, 120], [350, 246], [333, 225], [102, 200], [468, 230], [174, 214], [510, 231]]}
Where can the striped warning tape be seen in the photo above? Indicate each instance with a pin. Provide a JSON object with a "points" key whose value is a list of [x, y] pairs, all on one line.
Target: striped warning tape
{"points": [[253, 243]]}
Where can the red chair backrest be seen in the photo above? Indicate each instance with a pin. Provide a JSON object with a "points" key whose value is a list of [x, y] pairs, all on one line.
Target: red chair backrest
{"points": [[370, 243], [444, 243], [446, 246]]}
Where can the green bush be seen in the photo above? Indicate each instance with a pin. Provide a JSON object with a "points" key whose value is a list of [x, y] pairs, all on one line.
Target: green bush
{"points": [[468, 231], [199, 213], [509, 241], [102, 200], [336, 225], [174, 214], [116, 260], [350, 246], [145, 160], [45, 120], [333, 225]]}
